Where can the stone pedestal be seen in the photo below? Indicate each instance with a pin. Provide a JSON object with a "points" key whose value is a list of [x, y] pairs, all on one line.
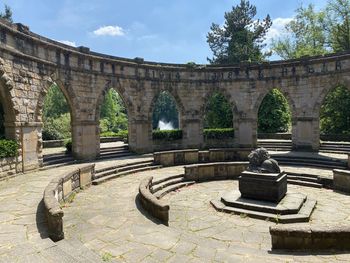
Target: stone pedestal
{"points": [[263, 186]]}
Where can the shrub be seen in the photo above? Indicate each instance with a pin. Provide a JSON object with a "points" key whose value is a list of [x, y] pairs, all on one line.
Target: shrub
{"points": [[8, 148], [57, 128], [68, 144], [167, 135], [219, 133], [122, 134]]}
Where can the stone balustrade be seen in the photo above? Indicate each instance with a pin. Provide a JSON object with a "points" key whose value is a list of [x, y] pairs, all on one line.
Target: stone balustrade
{"points": [[58, 191], [215, 171], [297, 237], [151, 204]]}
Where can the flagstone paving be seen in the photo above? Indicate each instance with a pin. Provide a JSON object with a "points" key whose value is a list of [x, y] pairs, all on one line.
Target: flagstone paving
{"points": [[107, 219]]}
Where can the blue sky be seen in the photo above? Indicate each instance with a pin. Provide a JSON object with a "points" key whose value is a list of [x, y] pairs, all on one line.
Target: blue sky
{"points": [[157, 30]]}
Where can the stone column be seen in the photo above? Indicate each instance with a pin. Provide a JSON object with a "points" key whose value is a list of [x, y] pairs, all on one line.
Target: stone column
{"points": [[306, 133], [246, 132], [86, 140], [140, 136], [192, 132]]}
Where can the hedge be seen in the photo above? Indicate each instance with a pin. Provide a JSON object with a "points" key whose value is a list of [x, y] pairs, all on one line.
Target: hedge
{"points": [[219, 133], [122, 134], [68, 144], [8, 148], [167, 135]]}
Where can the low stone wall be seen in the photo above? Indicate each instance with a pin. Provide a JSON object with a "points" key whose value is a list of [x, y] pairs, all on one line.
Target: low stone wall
{"points": [[275, 136], [214, 171], [58, 191], [60, 143], [163, 145], [151, 204], [314, 238], [9, 166], [341, 180], [192, 156], [215, 143], [172, 158]]}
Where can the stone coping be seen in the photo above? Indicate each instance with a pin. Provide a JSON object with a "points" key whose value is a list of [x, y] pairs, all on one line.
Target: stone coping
{"points": [[59, 190], [151, 204], [299, 237]]}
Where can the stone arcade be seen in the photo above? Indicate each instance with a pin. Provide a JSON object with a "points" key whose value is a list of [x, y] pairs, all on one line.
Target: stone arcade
{"points": [[30, 63]]}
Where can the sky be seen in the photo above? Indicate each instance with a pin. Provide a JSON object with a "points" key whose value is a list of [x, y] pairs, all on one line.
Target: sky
{"points": [[156, 30]]}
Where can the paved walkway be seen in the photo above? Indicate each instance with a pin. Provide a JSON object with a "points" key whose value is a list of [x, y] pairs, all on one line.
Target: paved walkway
{"points": [[107, 219]]}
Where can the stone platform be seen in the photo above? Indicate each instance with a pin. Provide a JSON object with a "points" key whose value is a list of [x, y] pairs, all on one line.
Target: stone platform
{"points": [[293, 208]]}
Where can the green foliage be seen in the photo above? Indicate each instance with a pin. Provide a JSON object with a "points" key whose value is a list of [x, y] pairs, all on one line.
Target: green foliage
{"points": [[241, 38], [55, 103], [8, 148], [219, 133], [120, 134], [69, 145], [335, 112], [307, 36], [274, 114], [167, 135], [113, 113], [7, 14], [57, 128], [218, 112], [165, 110]]}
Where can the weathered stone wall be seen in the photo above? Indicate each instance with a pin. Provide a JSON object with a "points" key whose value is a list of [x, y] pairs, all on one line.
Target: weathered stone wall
{"points": [[9, 166], [30, 63]]}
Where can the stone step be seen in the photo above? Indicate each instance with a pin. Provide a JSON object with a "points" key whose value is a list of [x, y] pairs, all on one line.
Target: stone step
{"points": [[56, 156], [100, 170], [76, 249], [114, 155], [99, 175], [304, 183], [48, 167], [165, 184], [172, 188], [303, 178], [317, 165], [161, 180], [116, 175], [303, 215]]}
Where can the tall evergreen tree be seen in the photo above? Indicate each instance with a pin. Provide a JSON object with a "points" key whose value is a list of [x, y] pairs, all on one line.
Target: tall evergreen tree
{"points": [[7, 14], [241, 38]]}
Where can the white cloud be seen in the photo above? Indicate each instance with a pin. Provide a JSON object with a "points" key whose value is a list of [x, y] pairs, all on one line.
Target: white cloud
{"points": [[110, 31], [277, 29], [67, 42]]}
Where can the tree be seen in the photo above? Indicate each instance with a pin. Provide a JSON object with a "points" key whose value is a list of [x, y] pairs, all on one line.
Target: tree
{"points": [[274, 113], [165, 110], [55, 103], [241, 38], [307, 35], [218, 112], [7, 14]]}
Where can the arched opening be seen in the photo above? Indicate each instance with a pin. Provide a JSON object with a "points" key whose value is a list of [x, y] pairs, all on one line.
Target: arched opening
{"points": [[166, 125], [57, 127], [218, 121], [335, 115], [274, 116], [113, 125]]}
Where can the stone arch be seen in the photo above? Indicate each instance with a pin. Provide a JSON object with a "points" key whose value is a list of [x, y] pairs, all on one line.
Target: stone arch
{"points": [[118, 87], [179, 105], [326, 90], [73, 107], [286, 94]]}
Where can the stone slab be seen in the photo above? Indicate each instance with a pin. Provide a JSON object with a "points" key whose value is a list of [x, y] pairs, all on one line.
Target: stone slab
{"points": [[290, 204], [263, 186]]}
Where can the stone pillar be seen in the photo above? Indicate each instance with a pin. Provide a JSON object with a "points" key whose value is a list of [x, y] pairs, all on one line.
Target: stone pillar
{"points": [[306, 133], [246, 133], [192, 133], [30, 145], [140, 136], [86, 140]]}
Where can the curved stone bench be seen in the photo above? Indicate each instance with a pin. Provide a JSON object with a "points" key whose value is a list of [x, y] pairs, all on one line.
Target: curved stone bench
{"points": [[151, 204], [310, 237], [341, 180], [58, 191], [192, 156], [215, 171]]}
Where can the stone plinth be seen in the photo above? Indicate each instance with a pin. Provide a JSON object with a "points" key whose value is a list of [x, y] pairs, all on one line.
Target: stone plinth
{"points": [[263, 186]]}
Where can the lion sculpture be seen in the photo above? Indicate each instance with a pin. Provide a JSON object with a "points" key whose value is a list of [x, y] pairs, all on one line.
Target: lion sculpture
{"points": [[260, 162]]}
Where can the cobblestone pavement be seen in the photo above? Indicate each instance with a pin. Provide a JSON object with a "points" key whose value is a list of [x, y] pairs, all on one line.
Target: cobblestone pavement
{"points": [[107, 219]]}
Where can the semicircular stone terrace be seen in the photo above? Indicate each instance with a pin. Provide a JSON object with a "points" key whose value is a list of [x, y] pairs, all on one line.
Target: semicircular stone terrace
{"points": [[30, 63]]}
